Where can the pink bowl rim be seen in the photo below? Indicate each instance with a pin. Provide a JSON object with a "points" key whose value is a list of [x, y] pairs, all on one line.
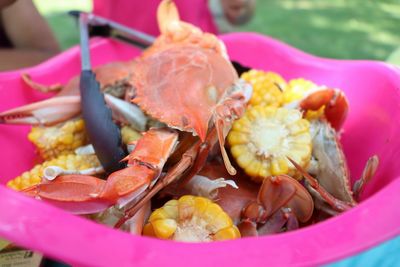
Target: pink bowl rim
{"points": [[75, 240]]}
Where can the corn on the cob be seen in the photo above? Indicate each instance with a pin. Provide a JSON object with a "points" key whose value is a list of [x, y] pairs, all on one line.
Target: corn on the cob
{"points": [[67, 162], [57, 140], [264, 137], [191, 219], [267, 87]]}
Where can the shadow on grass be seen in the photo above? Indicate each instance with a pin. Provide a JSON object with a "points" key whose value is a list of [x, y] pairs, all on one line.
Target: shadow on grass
{"points": [[337, 29]]}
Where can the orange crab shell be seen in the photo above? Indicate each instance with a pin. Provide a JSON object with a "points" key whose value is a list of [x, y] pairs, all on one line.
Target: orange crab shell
{"points": [[181, 86]]}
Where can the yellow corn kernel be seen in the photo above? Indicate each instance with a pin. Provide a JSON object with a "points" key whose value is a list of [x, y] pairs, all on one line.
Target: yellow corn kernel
{"points": [[267, 87], [129, 135], [273, 135], [148, 230], [191, 219], [67, 162], [297, 89], [61, 139], [227, 233], [164, 228], [159, 214]]}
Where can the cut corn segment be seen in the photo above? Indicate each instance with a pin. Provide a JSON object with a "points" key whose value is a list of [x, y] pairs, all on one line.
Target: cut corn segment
{"points": [[61, 139], [267, 87], [67, 162], [191, 219], [272, 135]]}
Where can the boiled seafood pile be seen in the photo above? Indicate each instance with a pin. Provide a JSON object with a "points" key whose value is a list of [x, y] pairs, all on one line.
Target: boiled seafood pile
{"points": [[210, 155]]}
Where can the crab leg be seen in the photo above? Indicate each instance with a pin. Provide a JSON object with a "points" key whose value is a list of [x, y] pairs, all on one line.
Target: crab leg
{"points": [[274, 224], [201, 158], [46, 112], [137, 222], [61, 108], [82, 194], [192, 158], [184, 164], [368, 173], [336, 105], [40, 87], [247, 228], [337, 204], [232, 108]]}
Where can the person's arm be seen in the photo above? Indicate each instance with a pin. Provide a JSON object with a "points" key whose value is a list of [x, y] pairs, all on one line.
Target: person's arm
{"points": [[32, 39]]}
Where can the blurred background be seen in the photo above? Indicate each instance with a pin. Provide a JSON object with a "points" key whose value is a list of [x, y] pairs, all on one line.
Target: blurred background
{"points": [[351, 29]]}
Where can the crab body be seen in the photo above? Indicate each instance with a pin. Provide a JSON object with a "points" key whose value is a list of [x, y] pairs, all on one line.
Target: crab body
{"points": [[182, 86], [330, 169]]}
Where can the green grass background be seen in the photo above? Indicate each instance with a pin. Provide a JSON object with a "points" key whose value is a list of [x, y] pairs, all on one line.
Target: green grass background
{"points": [[352, 29]]}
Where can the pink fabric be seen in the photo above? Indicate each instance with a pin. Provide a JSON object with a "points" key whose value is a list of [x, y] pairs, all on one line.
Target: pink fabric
{"points": [[373, 127], [141, 14]]}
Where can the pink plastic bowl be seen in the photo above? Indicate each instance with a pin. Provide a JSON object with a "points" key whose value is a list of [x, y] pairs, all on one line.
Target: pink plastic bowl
{"points": [[373, 127]]}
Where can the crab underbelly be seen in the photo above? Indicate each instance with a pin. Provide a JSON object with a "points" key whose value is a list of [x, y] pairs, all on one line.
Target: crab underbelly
{"points": [[332, 172]]}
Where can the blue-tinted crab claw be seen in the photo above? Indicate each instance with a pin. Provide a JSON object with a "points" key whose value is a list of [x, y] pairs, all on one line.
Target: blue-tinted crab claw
{"points": [[47, 112]]}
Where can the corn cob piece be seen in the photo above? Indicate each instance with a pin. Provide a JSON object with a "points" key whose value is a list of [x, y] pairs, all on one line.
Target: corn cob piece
{"points": [[67, 162], [267, 87], [264, 137], [61, 139], [191, 219]]}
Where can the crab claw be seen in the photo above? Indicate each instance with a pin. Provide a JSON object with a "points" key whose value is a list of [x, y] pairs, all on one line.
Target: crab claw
{"points": [[281, 201], [283, 191], [46, 112], [74, 193], [174, 31], [81, 194], [336, 105]]}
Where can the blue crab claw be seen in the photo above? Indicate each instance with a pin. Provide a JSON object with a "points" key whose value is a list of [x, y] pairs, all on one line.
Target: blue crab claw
{"points": [[47, 112]]}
